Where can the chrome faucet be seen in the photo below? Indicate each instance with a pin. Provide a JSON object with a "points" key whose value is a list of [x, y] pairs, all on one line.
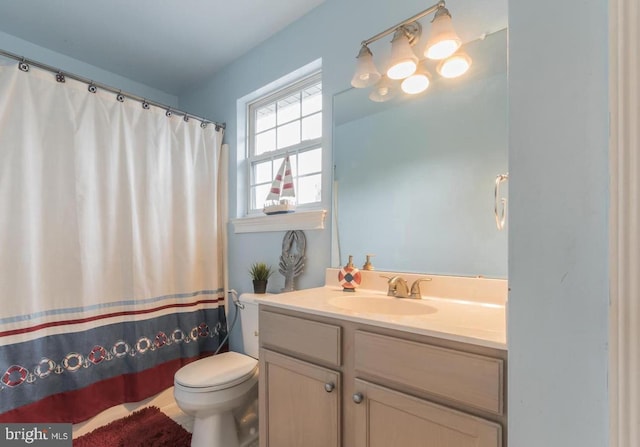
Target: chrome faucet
{"points": [[399, 288]]}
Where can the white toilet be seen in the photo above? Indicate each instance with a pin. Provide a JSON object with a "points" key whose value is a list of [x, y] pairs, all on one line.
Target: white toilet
{"points": [[211, 389]]}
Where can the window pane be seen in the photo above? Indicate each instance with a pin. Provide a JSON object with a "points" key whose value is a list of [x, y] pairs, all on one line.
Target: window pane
{"points": [[289, 134], [265, 142], [277, 162], [265, 117], [312, 99], [310, 161], [309, 189], [289, 109], [262, 172], [294, 164], [259, 194], [312, 127]]}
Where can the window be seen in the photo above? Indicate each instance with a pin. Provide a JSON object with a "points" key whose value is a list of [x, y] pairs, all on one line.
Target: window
{"points": [[288, 122]]}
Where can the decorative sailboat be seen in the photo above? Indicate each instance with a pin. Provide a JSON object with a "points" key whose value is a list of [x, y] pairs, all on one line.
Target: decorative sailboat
{"points": [[281, 198]]}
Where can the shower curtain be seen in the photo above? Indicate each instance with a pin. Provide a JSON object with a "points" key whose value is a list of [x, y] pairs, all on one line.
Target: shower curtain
{"points": [[111, 272]]}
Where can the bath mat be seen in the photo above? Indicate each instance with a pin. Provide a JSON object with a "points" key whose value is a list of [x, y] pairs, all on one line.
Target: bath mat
{"points": [[148, 427]]}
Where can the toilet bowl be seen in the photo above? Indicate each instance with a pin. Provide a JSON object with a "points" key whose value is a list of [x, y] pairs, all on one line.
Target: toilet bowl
{"points": [[213, 388], [210, 389]]}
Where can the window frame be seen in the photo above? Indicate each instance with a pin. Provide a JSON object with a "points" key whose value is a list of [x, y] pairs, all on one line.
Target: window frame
{"points": [[295, 86]]}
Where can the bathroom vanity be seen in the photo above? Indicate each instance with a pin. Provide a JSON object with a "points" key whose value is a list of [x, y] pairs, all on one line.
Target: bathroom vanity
{"points": [[400, 373]]}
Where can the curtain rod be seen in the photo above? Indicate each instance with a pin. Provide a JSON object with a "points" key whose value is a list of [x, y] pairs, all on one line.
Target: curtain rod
{"points": [[93, 86]]}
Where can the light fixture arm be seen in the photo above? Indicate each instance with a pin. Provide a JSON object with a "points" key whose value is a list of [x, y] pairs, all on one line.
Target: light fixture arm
{"points": [[418, 16]]}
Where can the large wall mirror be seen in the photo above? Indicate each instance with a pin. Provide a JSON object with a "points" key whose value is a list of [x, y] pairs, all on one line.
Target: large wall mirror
{"points": [[415, 177]]}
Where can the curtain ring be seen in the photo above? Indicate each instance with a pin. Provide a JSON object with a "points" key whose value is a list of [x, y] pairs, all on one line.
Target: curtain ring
{"points": [[23, 66], [145, 105], [203, 124], [168, 113], [186, 118], [120, 97], [92, 88], [60, 77]]}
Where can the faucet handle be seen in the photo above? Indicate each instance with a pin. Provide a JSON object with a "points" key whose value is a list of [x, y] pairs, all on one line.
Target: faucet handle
{"points": [[415, 287]]}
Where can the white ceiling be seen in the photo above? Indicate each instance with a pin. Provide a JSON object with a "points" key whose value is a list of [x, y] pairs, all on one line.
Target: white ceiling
{"points": [[168, 45]]}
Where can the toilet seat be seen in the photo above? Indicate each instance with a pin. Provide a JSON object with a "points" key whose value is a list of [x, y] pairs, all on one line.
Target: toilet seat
{"points": [[216, 373]]}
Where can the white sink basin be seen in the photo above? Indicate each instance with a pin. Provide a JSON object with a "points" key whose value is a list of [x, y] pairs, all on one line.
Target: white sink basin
{"points": [[382, 305]]}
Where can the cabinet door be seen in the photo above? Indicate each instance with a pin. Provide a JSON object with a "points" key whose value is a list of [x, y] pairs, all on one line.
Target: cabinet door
{"points": [[299, 403], [386, 418]]}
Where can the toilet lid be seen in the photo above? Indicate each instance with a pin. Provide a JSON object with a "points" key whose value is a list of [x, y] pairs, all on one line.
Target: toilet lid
{"points": [[218, 371]]}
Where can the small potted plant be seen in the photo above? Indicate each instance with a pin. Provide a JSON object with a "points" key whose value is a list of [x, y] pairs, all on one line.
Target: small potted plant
{"points": [[260, 273]]}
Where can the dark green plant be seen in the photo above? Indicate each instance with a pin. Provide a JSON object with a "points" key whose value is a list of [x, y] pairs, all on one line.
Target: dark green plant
{"points": [[260, 271]]}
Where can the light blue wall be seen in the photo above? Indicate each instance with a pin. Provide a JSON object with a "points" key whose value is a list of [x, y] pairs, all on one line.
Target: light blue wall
{"points": [[558, 194], [37, 53], [320, 34], [558, 246], [331, 32]]}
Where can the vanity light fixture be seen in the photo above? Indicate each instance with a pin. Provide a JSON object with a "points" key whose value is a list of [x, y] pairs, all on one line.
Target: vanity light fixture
{"points": [[442, 43], [366, 72], [455, 65], [383, 90], [403, 60], [443, 40], [416, 83]]}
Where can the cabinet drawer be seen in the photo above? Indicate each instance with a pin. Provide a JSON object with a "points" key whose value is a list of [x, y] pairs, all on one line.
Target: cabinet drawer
{"points": [[308, 339], [470, 379]]}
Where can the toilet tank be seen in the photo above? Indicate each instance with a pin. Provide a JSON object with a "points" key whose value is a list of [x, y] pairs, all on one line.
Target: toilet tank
{"points": [[249, 324]]}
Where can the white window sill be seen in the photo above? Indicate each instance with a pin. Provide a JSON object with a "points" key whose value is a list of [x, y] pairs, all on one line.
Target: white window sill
{"points": [[300, 220]]}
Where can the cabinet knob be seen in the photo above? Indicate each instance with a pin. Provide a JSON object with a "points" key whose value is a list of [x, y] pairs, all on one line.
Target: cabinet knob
{"points": [[328, 387], [358, 398]]}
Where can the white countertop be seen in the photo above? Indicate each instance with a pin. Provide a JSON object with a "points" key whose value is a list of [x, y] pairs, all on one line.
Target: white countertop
{"points": [[472, 322]]}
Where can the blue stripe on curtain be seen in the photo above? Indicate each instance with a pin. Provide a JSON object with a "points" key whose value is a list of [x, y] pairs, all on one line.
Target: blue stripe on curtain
{"points": [[105, 306]]}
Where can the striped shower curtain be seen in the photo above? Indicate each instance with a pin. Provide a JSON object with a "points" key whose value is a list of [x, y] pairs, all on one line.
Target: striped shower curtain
{"points": [[110, 262]]}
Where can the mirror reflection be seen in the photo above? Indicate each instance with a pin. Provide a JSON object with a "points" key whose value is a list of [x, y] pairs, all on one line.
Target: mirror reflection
{"points": [[415, 176]]}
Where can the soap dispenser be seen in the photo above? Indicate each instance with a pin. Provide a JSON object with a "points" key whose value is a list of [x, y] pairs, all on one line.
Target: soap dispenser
{"points": [[368, 265], [349, 276]]}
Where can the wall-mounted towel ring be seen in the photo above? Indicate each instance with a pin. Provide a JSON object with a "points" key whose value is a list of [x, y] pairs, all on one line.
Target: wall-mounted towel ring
{"points": [[500, 202]]}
